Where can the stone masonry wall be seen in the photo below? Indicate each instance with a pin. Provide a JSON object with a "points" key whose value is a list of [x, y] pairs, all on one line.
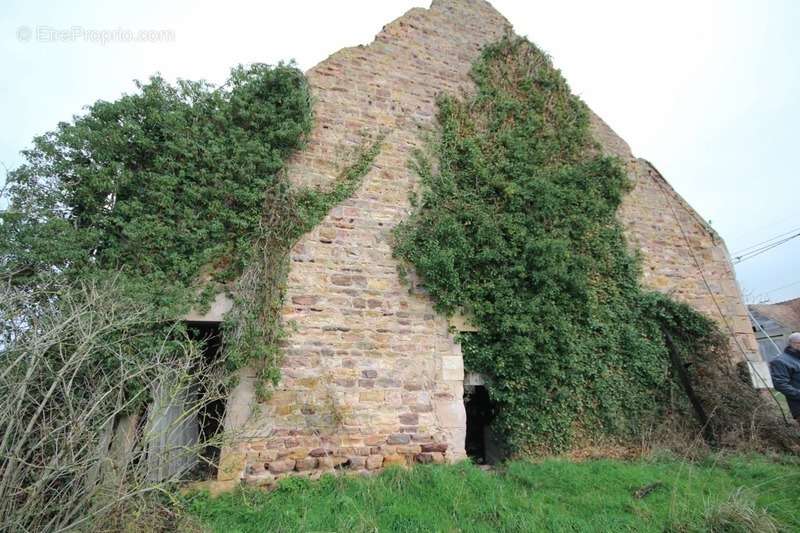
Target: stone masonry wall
{"points": [[681, 253], [371, 375]]}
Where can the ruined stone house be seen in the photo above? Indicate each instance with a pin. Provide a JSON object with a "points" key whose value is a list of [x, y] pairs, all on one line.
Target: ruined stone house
{"points": [[372, 375]]}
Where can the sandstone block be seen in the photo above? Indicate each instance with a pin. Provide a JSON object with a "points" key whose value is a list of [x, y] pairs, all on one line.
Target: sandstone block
{"points": [[451, 413], [408, 449], [352, 440], [320, 452], [284, 410], [452, 374], [375, 440], [434, 447], [231, 466], [341, 280], [307, 463], [327, 234], [262, 480], [281, 466], [409, 419], [374, 462], [395, 459], [304, 300], [255, 468], [214, 487], [298, 453], [399, 438], [333, 461], [357, 462], [371, 396], [360, 450], [282, 397], [378, 284]]}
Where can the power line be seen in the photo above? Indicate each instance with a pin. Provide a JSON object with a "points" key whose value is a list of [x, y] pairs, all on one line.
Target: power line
{"points": [[758, 251], [766, 247], [739, 252]]}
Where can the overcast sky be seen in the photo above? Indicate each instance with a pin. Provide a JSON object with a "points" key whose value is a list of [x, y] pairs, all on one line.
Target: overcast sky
{"points": [[707, 91]]}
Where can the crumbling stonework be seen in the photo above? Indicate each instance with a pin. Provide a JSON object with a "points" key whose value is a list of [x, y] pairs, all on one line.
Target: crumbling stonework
{"points": [[371, 375]]}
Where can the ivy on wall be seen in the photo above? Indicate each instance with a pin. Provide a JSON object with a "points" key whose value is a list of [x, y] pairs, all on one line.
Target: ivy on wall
{"points": [[516, 226], [156, 186], [179, 191], [175, 192], [254, 331]]}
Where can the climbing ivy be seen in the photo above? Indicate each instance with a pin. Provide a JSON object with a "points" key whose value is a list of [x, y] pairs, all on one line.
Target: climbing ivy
{"points": [[254, 330], [176, 192], [516, 227], [157, 186]]}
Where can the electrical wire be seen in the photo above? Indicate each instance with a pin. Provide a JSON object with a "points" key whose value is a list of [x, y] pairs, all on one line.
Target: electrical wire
{"points": [[763, 249], [745, 249]]}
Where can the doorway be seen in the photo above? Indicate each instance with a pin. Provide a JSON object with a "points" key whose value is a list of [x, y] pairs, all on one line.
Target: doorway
{"points": [[481, 445], [211, 415]]}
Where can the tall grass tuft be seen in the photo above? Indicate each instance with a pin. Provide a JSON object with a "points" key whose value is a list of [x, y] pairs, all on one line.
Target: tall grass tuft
{"points": [[739, 514]]}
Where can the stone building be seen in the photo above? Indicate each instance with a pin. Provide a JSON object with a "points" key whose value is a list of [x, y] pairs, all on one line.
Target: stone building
{"points": [[372, 375]]}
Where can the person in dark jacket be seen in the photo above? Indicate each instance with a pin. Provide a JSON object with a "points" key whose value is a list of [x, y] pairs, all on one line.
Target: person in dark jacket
{"points": [[785, 370]]}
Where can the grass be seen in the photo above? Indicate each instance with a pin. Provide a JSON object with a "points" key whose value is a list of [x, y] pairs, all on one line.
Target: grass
{"points": [[720, 493]]}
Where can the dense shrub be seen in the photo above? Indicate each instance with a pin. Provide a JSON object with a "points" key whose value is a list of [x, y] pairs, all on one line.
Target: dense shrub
{"points": [[117, 225], [76, 451], [162, 190], [175, 192]]}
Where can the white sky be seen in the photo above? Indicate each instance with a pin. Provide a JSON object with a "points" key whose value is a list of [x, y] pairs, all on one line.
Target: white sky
{"points": [[708, 91]]}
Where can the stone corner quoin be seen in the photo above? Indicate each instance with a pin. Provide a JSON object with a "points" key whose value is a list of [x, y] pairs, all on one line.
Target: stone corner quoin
{"points": [[371, 376]]}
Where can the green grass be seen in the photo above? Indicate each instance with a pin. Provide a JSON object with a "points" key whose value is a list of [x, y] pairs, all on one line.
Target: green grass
{"points": [[735, 493]]}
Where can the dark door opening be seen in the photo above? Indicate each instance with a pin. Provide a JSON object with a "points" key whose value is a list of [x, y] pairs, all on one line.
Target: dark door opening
{"points": [[481, 444], [211, 416]]}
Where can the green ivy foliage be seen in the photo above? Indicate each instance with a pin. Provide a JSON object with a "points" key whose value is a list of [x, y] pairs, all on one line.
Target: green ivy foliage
{"points": [[177, 192], [157, 185], [516, 227], [162, 190], [254, 332]]}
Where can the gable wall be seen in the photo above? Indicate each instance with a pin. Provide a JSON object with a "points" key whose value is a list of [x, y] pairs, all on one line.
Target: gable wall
{"points": [[368, 358], [371, 375]]}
